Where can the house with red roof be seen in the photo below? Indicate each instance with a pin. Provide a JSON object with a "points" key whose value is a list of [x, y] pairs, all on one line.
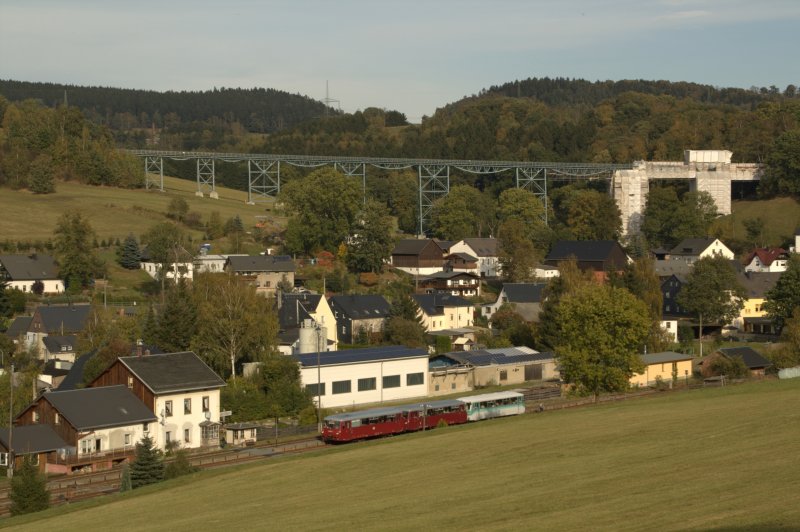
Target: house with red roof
{"points": [[767, 260]]}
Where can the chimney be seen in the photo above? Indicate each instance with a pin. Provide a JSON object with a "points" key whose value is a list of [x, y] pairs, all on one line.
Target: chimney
{"points": [[139, 345]]}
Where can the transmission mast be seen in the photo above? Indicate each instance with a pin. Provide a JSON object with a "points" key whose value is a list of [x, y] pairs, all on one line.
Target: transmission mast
{"points": [[328, 100]]}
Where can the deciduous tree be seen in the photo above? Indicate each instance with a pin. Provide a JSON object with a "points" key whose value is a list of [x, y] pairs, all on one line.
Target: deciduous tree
{"points": [[783, 298], [371, 242], [78, 264], [464, 212], [517, 254]]}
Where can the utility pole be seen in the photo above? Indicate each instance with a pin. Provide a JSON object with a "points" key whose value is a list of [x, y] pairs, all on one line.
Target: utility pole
{"points": [[10, 455]]}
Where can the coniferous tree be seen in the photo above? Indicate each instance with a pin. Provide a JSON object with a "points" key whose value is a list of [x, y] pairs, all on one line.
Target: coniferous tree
{"points": [[148, 466], [28, 490], [125, 478], [177, 322], [129, 254], [5, 303]]}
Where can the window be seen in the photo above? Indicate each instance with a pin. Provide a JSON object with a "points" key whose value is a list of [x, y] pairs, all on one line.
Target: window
{"points": [[168, 408], [187, 406], [452, 386], [130, 383], [365, 385], [3, 459], [86, 446], [341, 387], [415, 379], [436, 388], [391, 381], [312, 389], [57, 418], [35, 416], [206, 404], [503, 375], [145, 427], [127, 439], [186, 434], [169, 436]]}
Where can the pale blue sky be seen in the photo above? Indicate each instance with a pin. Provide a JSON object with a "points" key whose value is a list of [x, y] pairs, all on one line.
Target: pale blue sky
{"points": [[413, 56]]}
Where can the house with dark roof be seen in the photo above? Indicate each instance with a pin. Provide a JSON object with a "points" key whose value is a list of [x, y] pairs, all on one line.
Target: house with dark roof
{"points": [[693, 249], [358, 376], [451, 282], [766, 260], [59, 320], [597, 256], [39, 444], [22, 271], [461, 262], [664, 367], [57, 347], [19, 328], [755, 361], [417, 256], [177, 387], [92, 421], [486, 251], [294, 310], [752, 317], [670, 288], [265, 272], [525, 298], [444, 311], [359, 315]]}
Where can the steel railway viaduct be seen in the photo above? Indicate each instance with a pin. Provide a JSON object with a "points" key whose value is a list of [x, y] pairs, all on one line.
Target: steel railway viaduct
{"points": [[708, 170]]}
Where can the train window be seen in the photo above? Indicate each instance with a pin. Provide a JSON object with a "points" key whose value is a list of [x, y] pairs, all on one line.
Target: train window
{"points": [[355, 423]]}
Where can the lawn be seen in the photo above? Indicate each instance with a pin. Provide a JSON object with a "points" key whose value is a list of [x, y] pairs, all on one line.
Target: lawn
{"points": [[781, 218], [704, 459], [115, 212]]}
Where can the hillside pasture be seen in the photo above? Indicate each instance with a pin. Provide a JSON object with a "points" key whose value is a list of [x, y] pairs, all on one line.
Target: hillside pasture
{"points": [[781, 218], [720, 458], [115, 212]]}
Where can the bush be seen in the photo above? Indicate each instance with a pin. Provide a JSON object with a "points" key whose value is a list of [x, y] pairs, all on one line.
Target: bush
{"points": [[179, 466], [28, 490]]}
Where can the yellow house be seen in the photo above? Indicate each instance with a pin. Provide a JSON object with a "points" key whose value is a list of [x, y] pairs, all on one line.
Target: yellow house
{"points": [[756, 285], [664, 366], [440, 312]]}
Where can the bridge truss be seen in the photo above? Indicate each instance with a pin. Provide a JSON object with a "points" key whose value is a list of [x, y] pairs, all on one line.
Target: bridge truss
{"points": [[264, 173]]}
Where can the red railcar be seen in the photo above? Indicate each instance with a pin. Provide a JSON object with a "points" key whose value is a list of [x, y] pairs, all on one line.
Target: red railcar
{"points": [[376, 422]]}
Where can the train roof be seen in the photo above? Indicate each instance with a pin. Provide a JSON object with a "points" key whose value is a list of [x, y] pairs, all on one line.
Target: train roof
{"points": [[490, 397], [391, 410]]}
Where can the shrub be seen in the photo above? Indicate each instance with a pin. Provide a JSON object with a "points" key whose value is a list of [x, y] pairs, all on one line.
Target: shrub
{"points": [[28, 490]]}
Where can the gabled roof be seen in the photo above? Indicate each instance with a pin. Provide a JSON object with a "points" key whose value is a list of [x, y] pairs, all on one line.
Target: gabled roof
{"points": [[666, 268], [361, 306], [32, 267], [356, 356], [75, 375], [751, 358], [766, 255], [173, 372], [448, 275], [524, 292], [95, 408], [664, 357], [756, 284], [463, 256], [19, 327], [69, 318], [57, 344], [583, 250], [413, 246], [434, 304], [261, 263], [295, 308], [32, 439], [483, 247], [692, 246]]}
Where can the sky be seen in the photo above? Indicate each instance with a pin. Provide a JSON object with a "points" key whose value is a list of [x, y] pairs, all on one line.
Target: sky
{"points": [[411, 56]]}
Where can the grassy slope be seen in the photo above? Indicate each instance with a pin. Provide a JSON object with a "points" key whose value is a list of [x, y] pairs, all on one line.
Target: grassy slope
{"points": [[781, 217], [701, 459], [113, 212]]}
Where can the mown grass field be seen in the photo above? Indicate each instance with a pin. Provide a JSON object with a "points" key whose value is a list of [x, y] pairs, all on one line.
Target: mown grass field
{"points": [[708, 459], [114, 212], [781, 218]]}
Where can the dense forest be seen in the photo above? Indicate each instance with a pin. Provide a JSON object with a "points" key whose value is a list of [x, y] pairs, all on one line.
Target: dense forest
{"points": [[543, 119]]}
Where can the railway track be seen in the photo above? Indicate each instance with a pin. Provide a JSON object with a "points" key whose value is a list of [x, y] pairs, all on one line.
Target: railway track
{"points": [[82, 486]]}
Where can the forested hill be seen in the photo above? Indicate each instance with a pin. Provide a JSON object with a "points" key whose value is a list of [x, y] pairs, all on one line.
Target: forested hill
{"points": [[257, 110], [565, 91]]}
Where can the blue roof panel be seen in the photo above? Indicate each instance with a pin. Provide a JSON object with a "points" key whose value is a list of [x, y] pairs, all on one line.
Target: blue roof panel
{"points": [[354, 356]]}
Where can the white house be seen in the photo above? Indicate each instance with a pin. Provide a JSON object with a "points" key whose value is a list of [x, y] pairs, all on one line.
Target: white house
{"points": [[294, 309], [485, 249], [693, 249], [206, 263], [526, 298], [362, 376], [444, 311], [23, 271], [179, 388], [767, 260]]}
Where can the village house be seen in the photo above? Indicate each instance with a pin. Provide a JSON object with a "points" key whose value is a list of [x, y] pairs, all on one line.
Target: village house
{"points": [[265, 272], [359, 376], [209, 263], [417, 256], [691, 250], [294, 310], [444, 311], [23, 271], [755, 362], [359, 316], [525, 298], [58, 347], [99, 425], [39, 444], [663, 367], [485, 249], [456, 283], [461, 262], [600, 257], [180, 268], [767, 260], [18, 329], [60, 320], [670, 288], [752, 317], [177, 387]]}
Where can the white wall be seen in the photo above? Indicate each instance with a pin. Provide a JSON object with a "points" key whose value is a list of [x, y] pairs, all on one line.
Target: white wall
{"points": [[452, 317], [51, 286], [179, 421], [377, 370], [114, 438]]}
